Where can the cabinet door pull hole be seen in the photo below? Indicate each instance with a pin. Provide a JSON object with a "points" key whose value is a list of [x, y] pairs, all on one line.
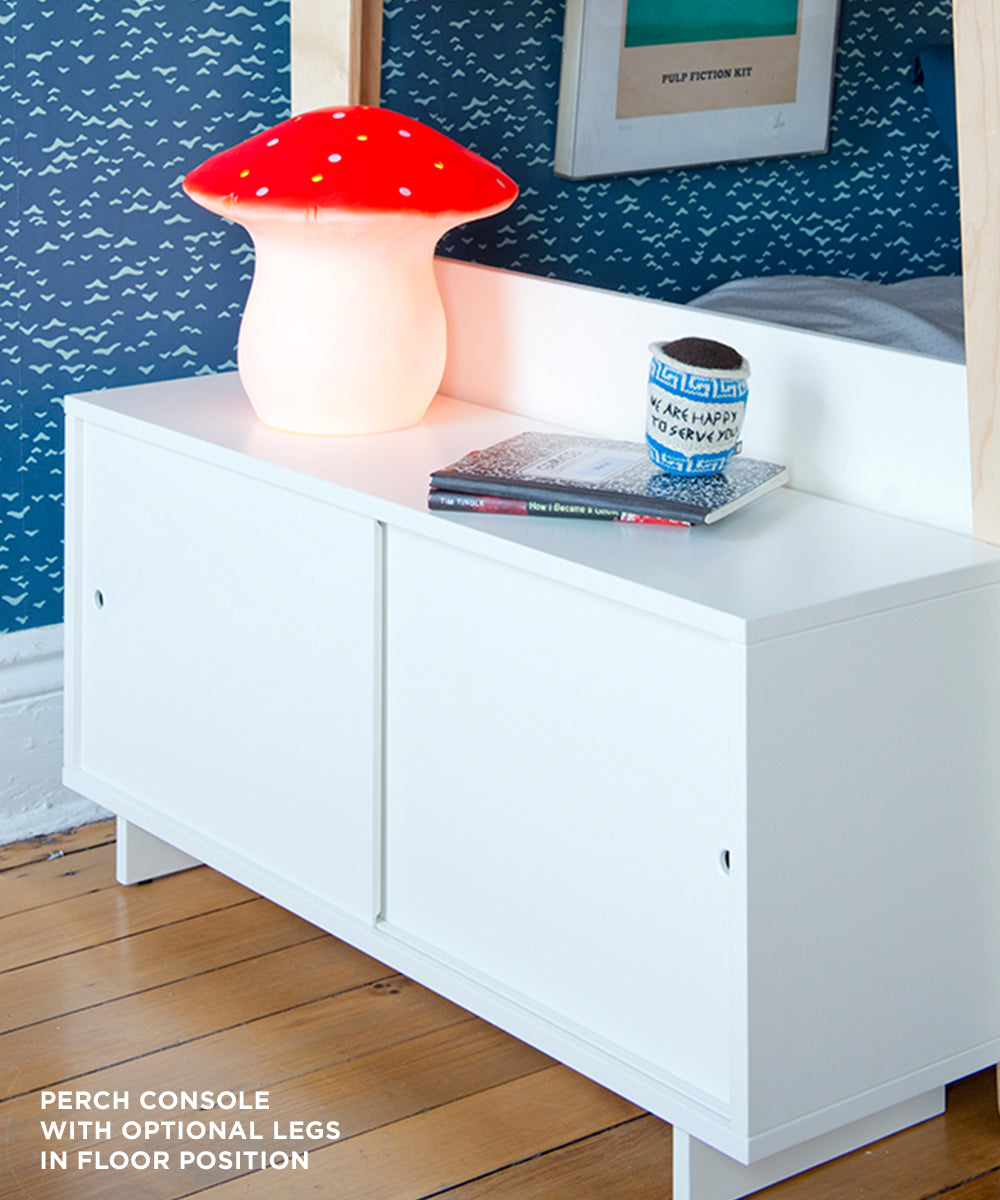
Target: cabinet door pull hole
{"points": [[99, 598], [724, 861]]}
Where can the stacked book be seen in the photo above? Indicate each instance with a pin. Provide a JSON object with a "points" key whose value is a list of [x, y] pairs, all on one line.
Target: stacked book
{"points": [[569, 475]]}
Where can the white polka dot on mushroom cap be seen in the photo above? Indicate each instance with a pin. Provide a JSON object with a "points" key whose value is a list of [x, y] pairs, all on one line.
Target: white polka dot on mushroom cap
{"points": [[333, 158], [404, 133], [405, 191], [262, 191], [273, 142], [338, 116]]}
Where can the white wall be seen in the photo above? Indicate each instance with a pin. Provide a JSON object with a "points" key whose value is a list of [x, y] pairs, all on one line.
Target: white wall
{"points": [[32, 799]]}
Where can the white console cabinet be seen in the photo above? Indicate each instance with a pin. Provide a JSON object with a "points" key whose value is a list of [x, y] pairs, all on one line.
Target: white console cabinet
{"points": [[712, 815]]}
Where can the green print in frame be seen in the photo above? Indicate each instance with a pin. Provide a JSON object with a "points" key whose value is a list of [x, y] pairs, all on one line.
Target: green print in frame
{"points": [[652, 84], [665, 22]]}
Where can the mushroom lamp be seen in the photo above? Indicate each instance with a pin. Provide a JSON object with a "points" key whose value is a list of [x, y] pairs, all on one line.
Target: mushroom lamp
{"points": [[344, 329]]}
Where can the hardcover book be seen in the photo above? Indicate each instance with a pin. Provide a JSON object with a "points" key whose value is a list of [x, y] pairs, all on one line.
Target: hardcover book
{"points": [[599, 472]]}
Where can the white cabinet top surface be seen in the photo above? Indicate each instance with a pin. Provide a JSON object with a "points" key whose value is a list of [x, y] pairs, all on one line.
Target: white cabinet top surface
{"points": [[786, 563]]}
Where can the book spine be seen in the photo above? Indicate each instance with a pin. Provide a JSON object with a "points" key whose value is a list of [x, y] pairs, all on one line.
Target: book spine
{"points": [[468, 502], [522, 489]]}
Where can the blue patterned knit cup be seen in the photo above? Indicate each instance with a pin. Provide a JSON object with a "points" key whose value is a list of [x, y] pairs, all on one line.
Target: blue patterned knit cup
{"points": [[695, 412]]}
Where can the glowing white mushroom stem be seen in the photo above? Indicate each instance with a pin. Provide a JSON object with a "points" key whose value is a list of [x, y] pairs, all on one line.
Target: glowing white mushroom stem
{"points": [[344, 330]]}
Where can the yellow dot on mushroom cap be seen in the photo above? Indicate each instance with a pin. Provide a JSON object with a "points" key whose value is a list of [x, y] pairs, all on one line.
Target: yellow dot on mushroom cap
{"points": [[244, 173], [440, 166], [362, 137], [317, 178]]}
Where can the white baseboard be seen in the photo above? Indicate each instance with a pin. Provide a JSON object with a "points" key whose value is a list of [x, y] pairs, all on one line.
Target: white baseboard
{"points": [[33, 800]]}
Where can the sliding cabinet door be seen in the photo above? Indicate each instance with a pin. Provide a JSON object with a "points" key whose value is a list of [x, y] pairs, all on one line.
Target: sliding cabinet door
{"points": [[560, 782], [227, 660]]}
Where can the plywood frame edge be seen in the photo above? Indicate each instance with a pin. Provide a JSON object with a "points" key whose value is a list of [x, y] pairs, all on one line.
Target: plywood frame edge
{"points": [[336, 52], [977, 72]]}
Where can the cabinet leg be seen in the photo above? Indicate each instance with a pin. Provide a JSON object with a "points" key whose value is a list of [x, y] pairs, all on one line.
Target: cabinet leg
{"points": [[139, 856], [702, 1173]]}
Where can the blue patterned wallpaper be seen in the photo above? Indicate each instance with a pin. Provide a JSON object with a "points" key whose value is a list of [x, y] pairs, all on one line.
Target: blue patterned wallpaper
{"points": [[110, 276]]}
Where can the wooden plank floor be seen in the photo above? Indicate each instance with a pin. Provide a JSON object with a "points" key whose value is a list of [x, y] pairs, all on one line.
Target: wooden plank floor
{"points": [[193, 983]]}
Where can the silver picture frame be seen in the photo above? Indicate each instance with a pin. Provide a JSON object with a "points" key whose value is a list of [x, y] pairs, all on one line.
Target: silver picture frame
{"points": [[648, 85]]}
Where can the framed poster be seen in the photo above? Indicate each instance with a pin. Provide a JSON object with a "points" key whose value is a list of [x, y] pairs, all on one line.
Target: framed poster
{"points": [[650, 84]]}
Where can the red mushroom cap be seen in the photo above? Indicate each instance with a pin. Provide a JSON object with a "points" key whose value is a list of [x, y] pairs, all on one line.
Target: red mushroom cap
{"points": [[356, 158]]}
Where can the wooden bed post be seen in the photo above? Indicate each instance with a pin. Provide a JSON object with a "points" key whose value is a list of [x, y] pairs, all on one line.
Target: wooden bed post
{"points": [[336, 49], [977, 71]]}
